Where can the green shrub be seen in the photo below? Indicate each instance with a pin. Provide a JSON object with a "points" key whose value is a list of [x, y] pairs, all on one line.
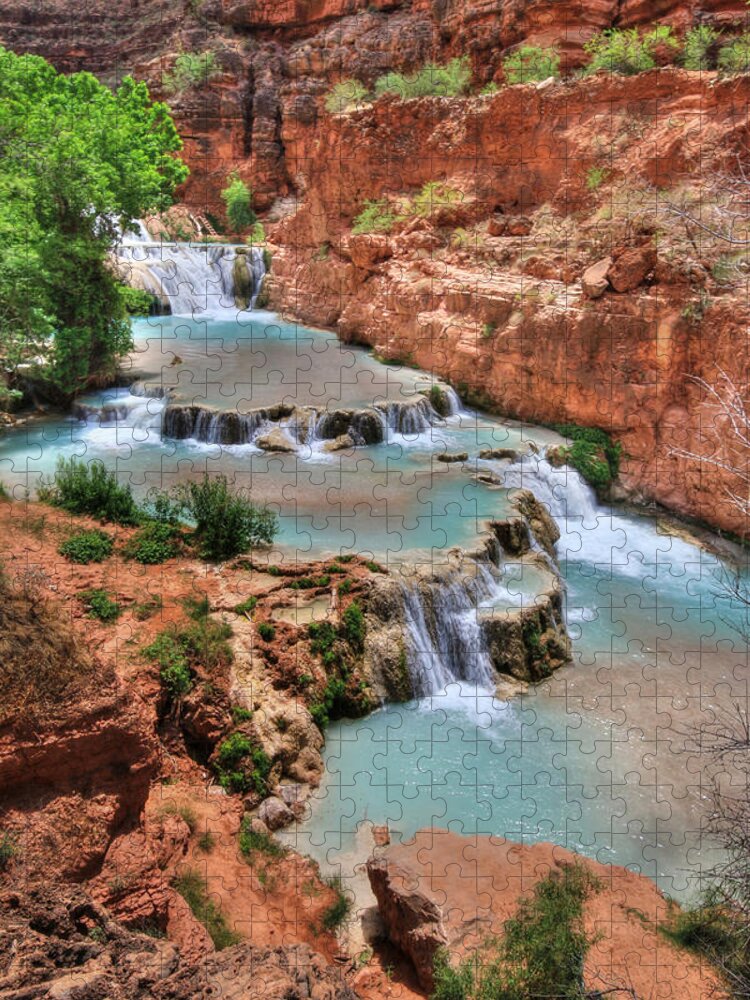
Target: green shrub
{"points": [[344, 95], [168, 652], [626, 50], [336, 913], [531, 63], [191, 885], [226, 524], [433, 196], [153, 543], [87, 547], [240, 765], [8, 849], [238, 199], [593, 454], [136, 301], [375, 217], [697, 53], [100, 605], [88, 488], [596, 177], [310, 582], [241, 714], [146, 609], [246, 607], [734, 57], [431, 80], [266, 631], [206, 842], [251, 841], [541, 953], [489, 89], [353, 627], [191, 69], [344, 587], [716, 931]]}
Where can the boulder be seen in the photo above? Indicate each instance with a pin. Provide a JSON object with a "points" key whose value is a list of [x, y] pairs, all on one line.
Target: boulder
{"points": [[456, 456], [276, 440], [631, 268], [594, 281], [542, 524], [275, 813], [368, 250], [341, 443]]}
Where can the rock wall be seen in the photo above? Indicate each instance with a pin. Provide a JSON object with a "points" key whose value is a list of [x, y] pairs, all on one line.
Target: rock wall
{"points": [[506, 320]]}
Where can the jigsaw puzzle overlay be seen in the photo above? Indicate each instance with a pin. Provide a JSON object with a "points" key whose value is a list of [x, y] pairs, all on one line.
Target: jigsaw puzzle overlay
{"points": [[377, 626]]}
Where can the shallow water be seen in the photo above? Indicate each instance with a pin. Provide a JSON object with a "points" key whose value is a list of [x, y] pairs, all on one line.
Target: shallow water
{"points": [[594, 758]]}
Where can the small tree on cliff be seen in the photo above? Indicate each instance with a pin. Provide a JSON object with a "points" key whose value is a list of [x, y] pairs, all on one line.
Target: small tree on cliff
{"points": [[238, 199]]}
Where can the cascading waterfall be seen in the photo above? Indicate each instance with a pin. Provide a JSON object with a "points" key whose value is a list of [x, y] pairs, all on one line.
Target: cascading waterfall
{"points": [[194, 278], [138, 408], [445, 641]]}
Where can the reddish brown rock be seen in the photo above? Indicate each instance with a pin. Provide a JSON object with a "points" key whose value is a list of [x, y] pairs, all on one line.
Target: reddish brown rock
{"points": [[631, 268], [367, 250], [594, 280], [441, 890]]}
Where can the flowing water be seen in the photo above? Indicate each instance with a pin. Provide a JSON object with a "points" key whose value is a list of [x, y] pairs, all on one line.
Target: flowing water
{"points": [[595, 757]]}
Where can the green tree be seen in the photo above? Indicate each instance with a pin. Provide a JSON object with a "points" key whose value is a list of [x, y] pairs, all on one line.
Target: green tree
{"points": [[77, 162], [238, 199]]}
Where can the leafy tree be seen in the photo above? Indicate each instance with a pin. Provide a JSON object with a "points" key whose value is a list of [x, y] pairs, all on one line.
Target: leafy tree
{"points": [[238, 200], [77, 161], [530, 63]]}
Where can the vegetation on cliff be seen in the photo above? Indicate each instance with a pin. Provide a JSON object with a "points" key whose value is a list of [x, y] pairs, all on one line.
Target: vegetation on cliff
{"points": [[542, 950], [78, 160]]}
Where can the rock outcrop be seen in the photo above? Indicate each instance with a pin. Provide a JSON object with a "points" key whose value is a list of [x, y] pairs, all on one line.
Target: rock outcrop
{"points": [[56, 942], [442, 890]]}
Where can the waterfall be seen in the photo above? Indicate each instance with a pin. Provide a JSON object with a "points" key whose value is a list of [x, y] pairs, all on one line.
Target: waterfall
{"points": [[195, 278], [123, 409], [202, 423], [445, 640]]}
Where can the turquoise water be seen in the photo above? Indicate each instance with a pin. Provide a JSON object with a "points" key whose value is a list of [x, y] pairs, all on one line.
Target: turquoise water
{"points": [[594, 758]]}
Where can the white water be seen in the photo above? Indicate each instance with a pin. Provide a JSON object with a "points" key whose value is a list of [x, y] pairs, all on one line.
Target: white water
{"points": [[195, 279]]}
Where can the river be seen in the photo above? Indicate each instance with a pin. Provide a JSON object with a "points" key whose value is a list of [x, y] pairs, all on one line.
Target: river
{"points": [[594, 758]]}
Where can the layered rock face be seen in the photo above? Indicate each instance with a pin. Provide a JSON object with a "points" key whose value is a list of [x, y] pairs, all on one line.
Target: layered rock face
{"points": [[504, 317]]}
